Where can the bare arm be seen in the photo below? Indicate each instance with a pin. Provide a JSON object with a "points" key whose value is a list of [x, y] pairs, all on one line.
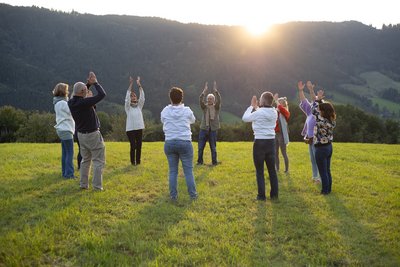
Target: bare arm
{"points": [[310, 88], [300, 86]]}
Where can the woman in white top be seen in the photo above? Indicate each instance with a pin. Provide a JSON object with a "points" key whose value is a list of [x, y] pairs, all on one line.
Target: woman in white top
{"points": [[134, 120], [65, 128], [263, 120], [176, 119]]}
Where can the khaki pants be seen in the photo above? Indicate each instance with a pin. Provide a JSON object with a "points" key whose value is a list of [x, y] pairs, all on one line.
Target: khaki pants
{"points": [[92, 149]]}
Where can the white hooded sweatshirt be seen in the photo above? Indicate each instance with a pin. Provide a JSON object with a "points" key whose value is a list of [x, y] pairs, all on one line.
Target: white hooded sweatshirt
{"points": [[176, 122]]}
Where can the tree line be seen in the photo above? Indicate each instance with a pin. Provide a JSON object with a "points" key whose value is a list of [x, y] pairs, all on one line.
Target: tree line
{"points": [[353, 125], [46, 47]]}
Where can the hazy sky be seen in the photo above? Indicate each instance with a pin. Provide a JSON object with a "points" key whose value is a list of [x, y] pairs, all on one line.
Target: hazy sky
{"points": [[255, 14]]}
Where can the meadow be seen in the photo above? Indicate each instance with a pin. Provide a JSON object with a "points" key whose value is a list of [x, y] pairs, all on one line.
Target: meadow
{"points": [[46, 220]]}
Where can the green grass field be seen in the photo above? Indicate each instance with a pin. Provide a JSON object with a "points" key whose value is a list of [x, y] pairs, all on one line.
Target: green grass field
{"points": [[45, 220]]}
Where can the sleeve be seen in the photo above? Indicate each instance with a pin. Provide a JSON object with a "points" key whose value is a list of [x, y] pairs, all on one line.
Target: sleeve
{"points": [[91, 101], [249, 116], [192, 118], [64, 109], [162, 115], [284, 112], [201, 101], [217, 100], [127, 100], [306, 107], [141, 98], [314, 109]]}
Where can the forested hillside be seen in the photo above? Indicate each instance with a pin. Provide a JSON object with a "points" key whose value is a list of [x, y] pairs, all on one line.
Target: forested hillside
{"points": [[40, 47]]}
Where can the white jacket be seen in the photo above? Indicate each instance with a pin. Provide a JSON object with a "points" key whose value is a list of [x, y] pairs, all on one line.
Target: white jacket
{"points": [[64, 120], [134, 115], [263, 121], [176, 122]]}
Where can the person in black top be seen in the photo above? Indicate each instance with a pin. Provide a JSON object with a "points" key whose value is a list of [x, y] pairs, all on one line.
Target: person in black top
{"points": [[87, 125]]}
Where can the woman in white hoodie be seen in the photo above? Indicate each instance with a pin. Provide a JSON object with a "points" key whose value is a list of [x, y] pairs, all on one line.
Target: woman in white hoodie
{"points": [[134, 120], [176, 119], [65, 128]]}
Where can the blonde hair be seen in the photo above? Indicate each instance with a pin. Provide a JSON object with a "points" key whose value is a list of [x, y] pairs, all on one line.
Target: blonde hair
{"points": [[283, 102], [61, 89]]}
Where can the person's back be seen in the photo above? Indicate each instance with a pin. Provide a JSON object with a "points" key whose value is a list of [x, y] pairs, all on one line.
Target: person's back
{"points": [[176, 119], [176, 122], [263, 123], [88, 127]]}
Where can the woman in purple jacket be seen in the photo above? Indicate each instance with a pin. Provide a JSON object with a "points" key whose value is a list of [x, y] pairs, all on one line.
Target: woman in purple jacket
{"points": [[308, 129]]}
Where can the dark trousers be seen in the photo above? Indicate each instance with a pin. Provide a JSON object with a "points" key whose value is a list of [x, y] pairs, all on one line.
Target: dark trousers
{"points": [[211, 137], [264, 151], [323, 155], [135, 139], [79, 156]]}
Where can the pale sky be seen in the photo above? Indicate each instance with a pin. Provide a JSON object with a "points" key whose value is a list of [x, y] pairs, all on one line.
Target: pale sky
{"points": [[256, 14]]}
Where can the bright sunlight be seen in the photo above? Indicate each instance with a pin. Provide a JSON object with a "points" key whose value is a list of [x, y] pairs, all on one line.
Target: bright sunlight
{"points": [[257, 29]]}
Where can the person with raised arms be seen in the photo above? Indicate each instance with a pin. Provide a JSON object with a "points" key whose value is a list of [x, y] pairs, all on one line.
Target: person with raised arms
{"points": [[263, 118]]}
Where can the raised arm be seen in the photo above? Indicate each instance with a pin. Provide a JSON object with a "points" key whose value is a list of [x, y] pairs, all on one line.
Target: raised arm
{"points": [[310, 88], [141, 93], [249, 115], [217, 96], [91, 101], [202, 95], [128, 94], [300, 87]]}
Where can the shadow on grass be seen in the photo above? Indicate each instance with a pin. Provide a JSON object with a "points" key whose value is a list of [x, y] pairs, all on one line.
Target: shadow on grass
{"points": [[138, 241], [364, 246], [286, 231], [26, 202]]}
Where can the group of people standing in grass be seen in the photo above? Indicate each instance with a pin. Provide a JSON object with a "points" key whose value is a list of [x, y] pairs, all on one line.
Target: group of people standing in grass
{"points": [[269, 116]]}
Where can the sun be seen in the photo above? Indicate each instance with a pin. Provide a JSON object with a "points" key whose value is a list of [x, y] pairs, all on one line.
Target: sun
{"points": [[257, 29]]}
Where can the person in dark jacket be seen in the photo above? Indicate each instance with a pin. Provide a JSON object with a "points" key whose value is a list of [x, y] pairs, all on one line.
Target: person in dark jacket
{"points": [[88, 127]]}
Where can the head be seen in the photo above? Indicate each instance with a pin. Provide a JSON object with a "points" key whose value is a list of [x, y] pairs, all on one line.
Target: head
{"points": [[283, 102], [61, 89], [176, 95], [327, 111], [266, 99], [133, 97], [80, 89], [210, 99]]}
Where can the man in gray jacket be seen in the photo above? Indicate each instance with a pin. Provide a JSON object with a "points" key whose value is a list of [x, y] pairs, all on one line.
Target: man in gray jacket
{"points": [[211, 105]]}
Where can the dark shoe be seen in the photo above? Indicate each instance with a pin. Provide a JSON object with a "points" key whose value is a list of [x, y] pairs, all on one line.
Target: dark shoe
{"points": [[216, 163], [275, 199], [84, 188], [199, 163], [261, 198]]}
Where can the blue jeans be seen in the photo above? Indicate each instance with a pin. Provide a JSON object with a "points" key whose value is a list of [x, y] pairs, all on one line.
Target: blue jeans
{"points": [[183, 150], [264, 151], [314, 167], [67, 154], [323, 155], [211, 137]]}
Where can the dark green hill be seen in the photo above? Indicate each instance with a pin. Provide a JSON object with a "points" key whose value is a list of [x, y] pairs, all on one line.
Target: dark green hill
{"points": [[40, 47]]}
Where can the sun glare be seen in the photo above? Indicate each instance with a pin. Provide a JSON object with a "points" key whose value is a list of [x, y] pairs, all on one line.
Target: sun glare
{"points": [[257, 29]]}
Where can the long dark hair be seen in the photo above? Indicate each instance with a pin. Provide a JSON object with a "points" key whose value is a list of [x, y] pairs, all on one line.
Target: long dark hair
{"points": [[327, 111]]}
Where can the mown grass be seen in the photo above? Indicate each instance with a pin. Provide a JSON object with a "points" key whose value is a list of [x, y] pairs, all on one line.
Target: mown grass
{"points": [[45, 220]]}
